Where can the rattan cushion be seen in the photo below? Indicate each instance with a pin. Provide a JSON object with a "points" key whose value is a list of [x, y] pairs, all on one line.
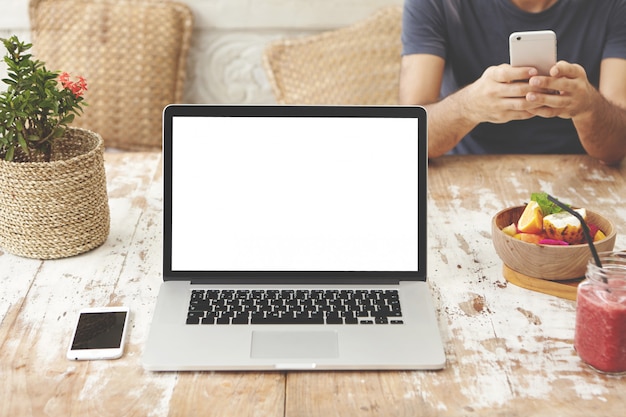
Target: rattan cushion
{"points": [[133, 54], [357, 64]]}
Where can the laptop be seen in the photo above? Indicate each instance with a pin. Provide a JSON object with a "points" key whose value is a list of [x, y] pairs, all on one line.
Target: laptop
{"points": [[294, 238]]}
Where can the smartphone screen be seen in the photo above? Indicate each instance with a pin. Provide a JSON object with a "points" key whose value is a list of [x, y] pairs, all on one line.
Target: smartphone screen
{"points": [[99, 334]]}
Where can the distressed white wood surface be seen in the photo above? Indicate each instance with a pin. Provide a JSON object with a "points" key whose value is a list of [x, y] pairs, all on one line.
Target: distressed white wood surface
{"points": [[509, 350]]}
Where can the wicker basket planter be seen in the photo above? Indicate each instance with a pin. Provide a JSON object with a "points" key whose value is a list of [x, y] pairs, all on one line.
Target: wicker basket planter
{"points": [[59, 208]]}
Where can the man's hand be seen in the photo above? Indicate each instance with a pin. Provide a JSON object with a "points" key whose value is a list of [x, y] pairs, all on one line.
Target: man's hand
{"points": [[500, 94], [574, 96], [599, 116]]}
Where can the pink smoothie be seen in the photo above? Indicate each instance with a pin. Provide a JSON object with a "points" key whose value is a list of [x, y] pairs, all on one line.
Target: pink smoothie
{"points": [[600, 337]]}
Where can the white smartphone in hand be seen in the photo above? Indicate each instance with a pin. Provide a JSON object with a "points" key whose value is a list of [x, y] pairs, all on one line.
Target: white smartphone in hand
{"points": [[99, 333], [533, 49]]}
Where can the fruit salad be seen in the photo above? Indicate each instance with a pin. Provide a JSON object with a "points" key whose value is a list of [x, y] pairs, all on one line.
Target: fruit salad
{"points": [[544, 223]]}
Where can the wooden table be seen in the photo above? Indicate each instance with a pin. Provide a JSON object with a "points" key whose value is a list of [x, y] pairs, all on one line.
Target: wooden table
{"points": [[509, 350]]}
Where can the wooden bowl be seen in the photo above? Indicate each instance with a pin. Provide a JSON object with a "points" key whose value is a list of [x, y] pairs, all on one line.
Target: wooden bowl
{"points": [[551, 262]]}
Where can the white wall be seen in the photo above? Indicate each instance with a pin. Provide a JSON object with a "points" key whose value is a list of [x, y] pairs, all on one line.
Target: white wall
{"points": [[229, 37]]}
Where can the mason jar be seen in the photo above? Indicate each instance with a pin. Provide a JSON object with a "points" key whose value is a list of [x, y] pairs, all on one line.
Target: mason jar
{"points": [[600, 334]]}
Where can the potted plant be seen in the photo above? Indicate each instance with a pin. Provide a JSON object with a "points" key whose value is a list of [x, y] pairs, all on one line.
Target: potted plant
{"points": [[53, 198]]}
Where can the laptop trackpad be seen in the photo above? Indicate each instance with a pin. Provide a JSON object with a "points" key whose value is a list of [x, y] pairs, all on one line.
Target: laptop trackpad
{"points": [[294, 344]]}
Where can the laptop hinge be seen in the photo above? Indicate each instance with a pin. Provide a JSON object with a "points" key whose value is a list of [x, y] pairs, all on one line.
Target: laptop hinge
{"points": [[292, 282]]}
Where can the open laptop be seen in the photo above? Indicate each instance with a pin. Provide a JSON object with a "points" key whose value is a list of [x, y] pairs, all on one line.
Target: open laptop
{"points": [[294, 238]]}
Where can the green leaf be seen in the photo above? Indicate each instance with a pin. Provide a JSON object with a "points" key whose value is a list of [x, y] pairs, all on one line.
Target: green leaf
{"points": [[67, 119], [10, 153], [58, 132], [9, 137], [22, 143], [547, 206]]}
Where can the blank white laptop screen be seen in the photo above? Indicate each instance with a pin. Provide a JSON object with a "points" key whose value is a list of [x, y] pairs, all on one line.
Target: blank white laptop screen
{"points": [[294, 194]]}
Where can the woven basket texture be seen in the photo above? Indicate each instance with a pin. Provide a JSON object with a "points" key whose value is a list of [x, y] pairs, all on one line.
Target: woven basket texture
{"points": [[56, 209], [133, 54], [357, 64]]}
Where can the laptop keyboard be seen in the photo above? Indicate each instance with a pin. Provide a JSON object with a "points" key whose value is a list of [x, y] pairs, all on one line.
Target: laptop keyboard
{"points": [[294, 307]]}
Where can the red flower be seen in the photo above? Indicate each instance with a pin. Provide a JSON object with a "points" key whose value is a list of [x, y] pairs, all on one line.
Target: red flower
{"points": [[64, 78], [77, 88]]}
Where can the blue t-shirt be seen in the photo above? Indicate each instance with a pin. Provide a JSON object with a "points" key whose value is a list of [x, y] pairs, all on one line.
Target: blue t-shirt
{"points": [[472, 35]]}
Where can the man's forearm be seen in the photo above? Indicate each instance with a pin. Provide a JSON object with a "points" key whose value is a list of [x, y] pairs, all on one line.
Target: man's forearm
{"points": [[602, 131], [448, 123]]}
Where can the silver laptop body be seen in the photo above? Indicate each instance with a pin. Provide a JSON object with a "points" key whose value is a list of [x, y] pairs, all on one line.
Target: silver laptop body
{"points": [[296, 202]]}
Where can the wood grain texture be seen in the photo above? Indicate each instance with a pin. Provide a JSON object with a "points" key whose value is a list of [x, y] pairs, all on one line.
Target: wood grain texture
{"points": [[509, 350], [40, 301]]}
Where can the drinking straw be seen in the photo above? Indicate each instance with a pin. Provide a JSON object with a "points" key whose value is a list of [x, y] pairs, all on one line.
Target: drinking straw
{"points": [[586, 232]]}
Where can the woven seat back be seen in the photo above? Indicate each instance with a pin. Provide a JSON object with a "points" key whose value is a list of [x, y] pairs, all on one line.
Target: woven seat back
{"points": [[358, 64], [133, 54]]}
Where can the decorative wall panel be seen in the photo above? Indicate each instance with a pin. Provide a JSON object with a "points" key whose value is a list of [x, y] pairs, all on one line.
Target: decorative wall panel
{"points": [[229, 38]]}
